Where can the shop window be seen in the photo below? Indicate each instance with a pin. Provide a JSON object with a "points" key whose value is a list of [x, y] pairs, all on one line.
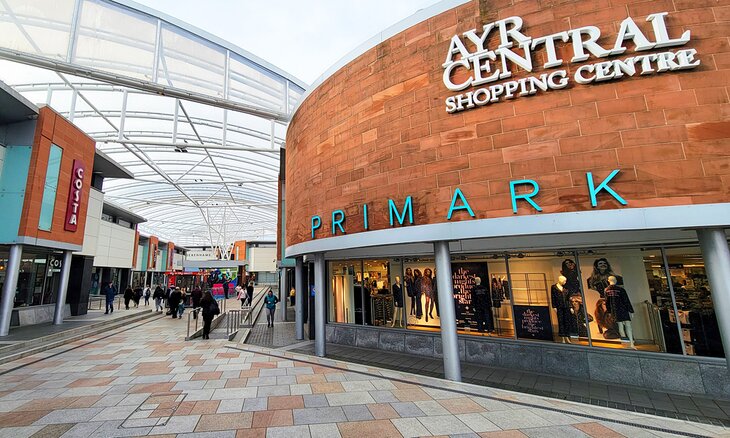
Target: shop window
{"points": [[700, 333], [107, 217], [345, 294], [419, 279], [482, 295], [125, 224], [50, 187]]}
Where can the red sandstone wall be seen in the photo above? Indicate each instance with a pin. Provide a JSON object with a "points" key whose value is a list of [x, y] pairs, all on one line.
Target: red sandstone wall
{"points": [[54, 128], [378, 129]]}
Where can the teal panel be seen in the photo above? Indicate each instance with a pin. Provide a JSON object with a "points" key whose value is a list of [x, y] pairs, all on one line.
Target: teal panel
{"points": [[162, 266], [49, 188], [145, 253], [13, 179]]}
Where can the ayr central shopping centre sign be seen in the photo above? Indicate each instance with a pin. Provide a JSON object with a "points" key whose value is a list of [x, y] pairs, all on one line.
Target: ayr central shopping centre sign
{"points": [[486, 69]]}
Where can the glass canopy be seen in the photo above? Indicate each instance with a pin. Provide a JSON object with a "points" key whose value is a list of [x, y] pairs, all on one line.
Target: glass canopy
{"points": [[198, 121]]}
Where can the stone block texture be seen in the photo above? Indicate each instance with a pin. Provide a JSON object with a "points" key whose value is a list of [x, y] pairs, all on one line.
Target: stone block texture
{"points": [[377, 129]]}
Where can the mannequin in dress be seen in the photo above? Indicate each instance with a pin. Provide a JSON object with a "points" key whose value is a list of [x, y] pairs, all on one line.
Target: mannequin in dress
{"points": [[560, 299], [428, 290], [618, 303], [397, 303]]}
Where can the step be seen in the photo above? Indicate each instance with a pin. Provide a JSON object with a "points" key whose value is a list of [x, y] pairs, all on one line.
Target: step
{"points": [[29, 347]]}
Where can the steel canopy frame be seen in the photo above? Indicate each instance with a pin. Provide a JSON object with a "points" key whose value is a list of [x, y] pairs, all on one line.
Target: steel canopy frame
{"points": [[199, 121]]}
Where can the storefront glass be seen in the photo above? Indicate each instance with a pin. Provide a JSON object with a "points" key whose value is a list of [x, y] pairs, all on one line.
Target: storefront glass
{"points": [[611, 298]]}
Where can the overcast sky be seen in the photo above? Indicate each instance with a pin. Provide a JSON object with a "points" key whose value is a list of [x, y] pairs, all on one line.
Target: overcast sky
{"points": [[302, 37]]}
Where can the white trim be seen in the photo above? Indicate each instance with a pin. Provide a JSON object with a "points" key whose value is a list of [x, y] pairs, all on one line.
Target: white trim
{"points": [[594, 221], [33, 241], [418, 17]]}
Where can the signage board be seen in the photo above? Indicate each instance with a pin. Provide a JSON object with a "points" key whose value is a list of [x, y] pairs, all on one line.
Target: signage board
{"points": [[73, 206]]}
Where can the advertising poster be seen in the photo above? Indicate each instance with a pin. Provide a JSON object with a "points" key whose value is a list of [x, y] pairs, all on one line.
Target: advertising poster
{"points": [[533, 322], [463, 275]]}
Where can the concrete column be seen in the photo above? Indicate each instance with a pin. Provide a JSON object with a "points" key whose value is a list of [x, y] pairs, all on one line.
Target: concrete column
{"points": [[283, 292], [62, 288], [300, 295], [320, 315], [716, 254], [11, 283], [449, 341]]}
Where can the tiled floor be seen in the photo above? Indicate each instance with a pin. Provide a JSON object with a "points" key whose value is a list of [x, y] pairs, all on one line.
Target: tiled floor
{"points": [[149, 381]]}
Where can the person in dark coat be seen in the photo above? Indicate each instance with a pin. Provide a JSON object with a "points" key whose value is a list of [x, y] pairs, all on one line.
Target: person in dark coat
{"points": [[249, 292], [210, 310], [137, 295], [128, 296], [110, 292], [158, 296], [481, 303], [174, 300], [196, 295]]}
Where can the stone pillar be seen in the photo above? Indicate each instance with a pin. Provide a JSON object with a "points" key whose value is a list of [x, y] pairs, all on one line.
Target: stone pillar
{"points": [[300, 291], [11, 283], [716, 254], [283, 292], [62, 288], [449, 340], [320, 315]]}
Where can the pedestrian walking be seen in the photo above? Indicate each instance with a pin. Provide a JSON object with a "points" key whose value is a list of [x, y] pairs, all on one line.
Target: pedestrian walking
{"points": [[292, 296], [196, 295], [110, 292], [147, 294], [137, 295], [210, 310], [270, 301], [128, 295], [249, 293], [174, 301], [241, 295], [158, 296], [181, 306]]}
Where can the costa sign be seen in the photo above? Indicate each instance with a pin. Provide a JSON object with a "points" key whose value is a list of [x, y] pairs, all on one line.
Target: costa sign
{"points": [[470, 63], [73, 207]]}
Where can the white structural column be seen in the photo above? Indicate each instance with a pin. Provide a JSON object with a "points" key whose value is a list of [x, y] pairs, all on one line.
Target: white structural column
{"points": [[11, 283], [283, 292], [716, 254], [449, 340], [300, 295], [320, 294], [62, 288]]}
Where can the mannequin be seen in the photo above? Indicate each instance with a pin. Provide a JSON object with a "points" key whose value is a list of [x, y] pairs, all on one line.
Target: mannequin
{"points": [[408, 280], [482, 304], [397, 303], [560, 295], [618, 303], [428, 291]]}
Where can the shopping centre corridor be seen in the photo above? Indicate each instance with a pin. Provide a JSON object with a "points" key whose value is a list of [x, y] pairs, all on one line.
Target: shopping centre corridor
{"points": [[147, 380]]}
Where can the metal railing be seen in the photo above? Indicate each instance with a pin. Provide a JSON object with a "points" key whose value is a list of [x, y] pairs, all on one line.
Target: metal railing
{"points": [[244, 317], [196, 315]]}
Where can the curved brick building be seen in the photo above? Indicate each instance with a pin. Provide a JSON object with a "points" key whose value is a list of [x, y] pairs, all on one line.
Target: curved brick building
{"points": [[527, 185]]}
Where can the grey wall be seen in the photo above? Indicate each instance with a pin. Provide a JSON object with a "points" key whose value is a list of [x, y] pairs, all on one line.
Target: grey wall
{"points": [[663, 372]]}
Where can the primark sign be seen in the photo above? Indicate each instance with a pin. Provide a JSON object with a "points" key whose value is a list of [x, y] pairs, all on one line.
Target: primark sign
{"points": [[470, 64]]}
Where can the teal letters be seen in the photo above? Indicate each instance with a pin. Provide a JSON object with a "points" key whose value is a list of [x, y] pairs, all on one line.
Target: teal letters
{"points": [[365, 216], [407, 208], [337, 221], [527, 196], [316, 223], [593, 191], [465, 206]]}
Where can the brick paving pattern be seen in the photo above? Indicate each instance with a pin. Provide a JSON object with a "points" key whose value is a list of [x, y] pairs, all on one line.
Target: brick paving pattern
{"points": [[149, 381]]}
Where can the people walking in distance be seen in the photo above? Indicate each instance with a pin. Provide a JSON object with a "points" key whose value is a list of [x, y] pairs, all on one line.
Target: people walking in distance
{"points": [[181, 306], [196, 295], [128, 295], [210, 310], [174, 301], [110, 292], [249, 293], [241, 295], [168, 290], [158, 296], [147, 294], [292, 296], [270, 301], [137, 295]]}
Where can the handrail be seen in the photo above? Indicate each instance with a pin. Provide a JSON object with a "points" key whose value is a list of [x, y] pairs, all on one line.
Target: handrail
{"points": [[237, 318], [195, 314]]}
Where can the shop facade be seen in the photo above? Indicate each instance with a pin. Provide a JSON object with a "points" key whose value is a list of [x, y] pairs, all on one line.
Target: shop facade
{"points": [[536, 187], [45, 169]]}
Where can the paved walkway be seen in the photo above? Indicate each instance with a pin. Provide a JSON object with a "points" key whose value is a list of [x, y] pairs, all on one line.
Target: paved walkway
{"points": [[149, 381], [24, 333]]}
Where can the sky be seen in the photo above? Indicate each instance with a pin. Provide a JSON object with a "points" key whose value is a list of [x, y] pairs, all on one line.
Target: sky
{"points": [[304, 38]]}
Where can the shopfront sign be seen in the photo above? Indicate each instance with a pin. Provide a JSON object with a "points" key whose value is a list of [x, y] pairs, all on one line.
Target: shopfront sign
{"points": [[73, 207], [471, 64], [524, 190], [533, 322], [462, 276]]}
